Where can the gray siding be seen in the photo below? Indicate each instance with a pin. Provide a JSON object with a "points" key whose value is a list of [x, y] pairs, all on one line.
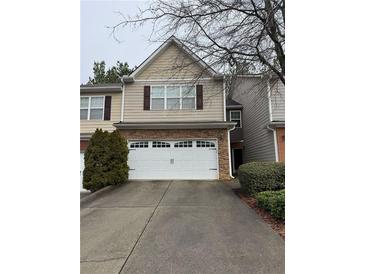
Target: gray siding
{"points": [[278, 101], [258, 141]]}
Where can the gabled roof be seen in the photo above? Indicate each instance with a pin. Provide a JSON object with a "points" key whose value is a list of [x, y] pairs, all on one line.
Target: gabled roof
{"points": [[184, 48], [231, 102]]}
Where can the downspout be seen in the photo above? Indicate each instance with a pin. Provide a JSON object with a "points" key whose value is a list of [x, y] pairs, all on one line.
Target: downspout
{"points": [[269, 97], [228, 131], [270, 117], [275, 143], [229, 151], [122, 98]]}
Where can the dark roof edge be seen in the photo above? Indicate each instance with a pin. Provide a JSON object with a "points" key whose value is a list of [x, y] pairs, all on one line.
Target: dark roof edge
{"points": [[276, 124], [175, 125], [101, 88], [234, 107]]}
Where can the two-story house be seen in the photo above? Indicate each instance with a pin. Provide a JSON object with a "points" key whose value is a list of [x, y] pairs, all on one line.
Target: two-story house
{"points": [[171, 110], [262, 117]]}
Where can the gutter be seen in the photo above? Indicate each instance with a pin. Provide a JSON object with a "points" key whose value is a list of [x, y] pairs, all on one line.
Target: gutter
{"points": [[110, 89], [127, 79], [276, 124], [176, 125]]}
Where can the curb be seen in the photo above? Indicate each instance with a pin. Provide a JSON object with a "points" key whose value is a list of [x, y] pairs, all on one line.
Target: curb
{"points": [[95, 195]]}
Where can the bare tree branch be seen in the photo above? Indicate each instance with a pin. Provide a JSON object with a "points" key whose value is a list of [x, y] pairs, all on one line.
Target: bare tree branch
{"points": [[231, 34]]}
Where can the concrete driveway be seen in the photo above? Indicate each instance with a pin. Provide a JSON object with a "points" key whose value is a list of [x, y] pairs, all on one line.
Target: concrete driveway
{"points": [[176, 227]]}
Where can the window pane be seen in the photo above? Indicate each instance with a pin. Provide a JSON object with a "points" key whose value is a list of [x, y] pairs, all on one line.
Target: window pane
{"points": [[158, 92], [184, 144], [173, 92], [173, 103], [160, 144], [188, 91], [96, 114], [84, 102], [83, 114], [188, 103], [139, 145], [235, 115], [97, 102], [157, 104], [204, 144]]}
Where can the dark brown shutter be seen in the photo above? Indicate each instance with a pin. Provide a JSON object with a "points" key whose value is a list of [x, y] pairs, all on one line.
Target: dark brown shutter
{"points": [[146, 98], [107, 107], [199, 97]]}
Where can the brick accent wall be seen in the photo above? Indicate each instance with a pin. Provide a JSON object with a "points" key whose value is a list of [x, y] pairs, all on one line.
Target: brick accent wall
{"points": [[83, 145], [280, 134], [168, 134]]}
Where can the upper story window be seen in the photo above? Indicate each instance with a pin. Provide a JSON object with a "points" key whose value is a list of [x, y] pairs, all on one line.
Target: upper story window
{"points": [[235, 116], [173, 97], [92, 107]]}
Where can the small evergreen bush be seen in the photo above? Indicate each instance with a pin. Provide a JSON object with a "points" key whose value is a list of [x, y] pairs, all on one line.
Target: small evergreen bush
{"points": [[273, 202], [105, 160], [261, 176]]}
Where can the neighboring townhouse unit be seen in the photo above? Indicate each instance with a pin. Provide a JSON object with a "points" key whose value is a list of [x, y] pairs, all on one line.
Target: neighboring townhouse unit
{"points": [[263, 117], [234, 114], [100, 107], [171, 110]]}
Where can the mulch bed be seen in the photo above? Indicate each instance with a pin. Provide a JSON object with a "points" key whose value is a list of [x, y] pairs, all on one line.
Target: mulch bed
{"points": [[277, 225]]}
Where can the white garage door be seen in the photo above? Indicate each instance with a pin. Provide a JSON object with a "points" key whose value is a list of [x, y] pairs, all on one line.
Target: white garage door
{"points": [[191, 159], [81, 170]]}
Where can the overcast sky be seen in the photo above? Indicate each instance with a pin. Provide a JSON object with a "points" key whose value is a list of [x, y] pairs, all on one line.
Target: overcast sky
{"points": [[96, 42]]}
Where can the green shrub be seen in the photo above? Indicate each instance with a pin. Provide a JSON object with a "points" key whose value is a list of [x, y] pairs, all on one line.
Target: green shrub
{"points": [[273, 202], [105, 160], [261, 176], [264, 199]]}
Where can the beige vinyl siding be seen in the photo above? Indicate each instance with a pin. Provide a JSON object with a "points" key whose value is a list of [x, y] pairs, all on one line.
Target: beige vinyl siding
{"points": [[278, 101], [212, 103], [89, 126], [172, 63]]}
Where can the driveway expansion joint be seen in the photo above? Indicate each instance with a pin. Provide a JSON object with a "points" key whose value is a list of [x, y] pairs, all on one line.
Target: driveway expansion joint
{"points": [[116, 207], [144, 229], [100, 261]]}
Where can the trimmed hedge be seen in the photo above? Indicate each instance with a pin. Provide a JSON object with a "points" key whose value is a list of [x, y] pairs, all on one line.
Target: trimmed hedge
{"points": [[273, 202], [261, 176], [105, 160]]}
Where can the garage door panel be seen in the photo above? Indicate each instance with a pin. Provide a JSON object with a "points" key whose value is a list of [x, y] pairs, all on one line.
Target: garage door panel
{"points": [[173, 162]]}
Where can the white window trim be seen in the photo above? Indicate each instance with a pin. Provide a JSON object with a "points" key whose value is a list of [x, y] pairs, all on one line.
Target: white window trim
{"points": [[230, 117], [89, 107], [165, 98]]}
